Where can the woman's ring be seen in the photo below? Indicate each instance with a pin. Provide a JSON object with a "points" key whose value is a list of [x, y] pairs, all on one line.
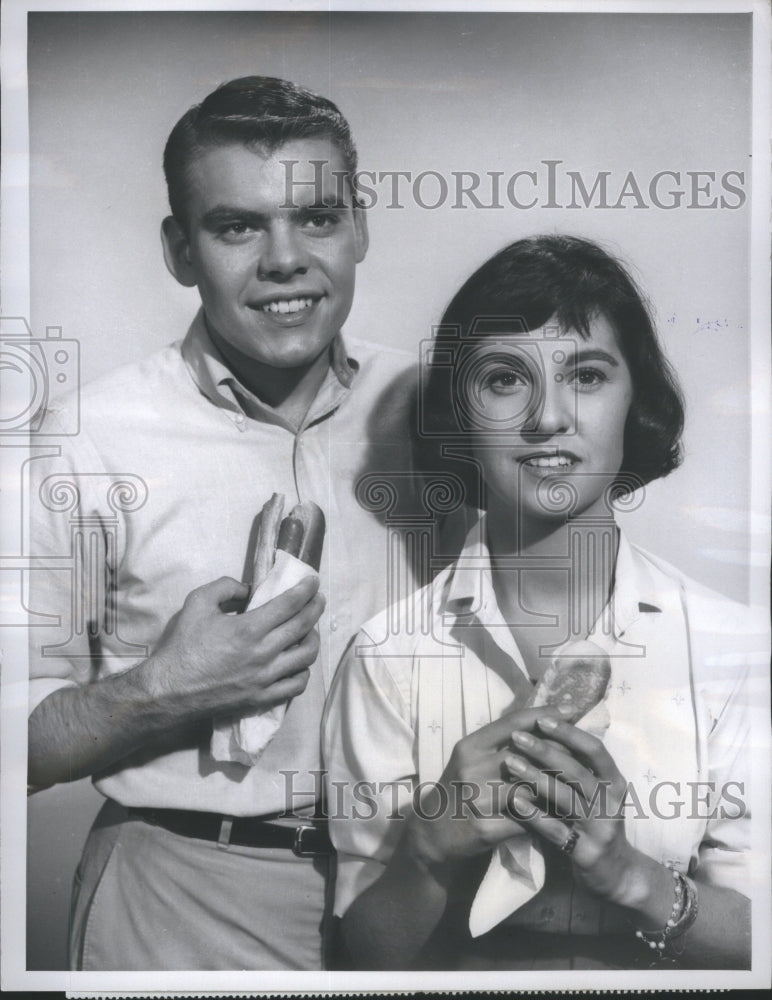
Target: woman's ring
{"points": [[570, 842]]}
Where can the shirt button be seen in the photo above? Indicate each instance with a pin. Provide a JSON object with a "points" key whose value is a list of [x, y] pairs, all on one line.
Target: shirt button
{"points": [[240, 420], [333, 624]]}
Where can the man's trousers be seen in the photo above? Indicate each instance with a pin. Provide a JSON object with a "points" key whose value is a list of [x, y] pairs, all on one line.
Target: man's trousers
{"points": [[148, 899]]}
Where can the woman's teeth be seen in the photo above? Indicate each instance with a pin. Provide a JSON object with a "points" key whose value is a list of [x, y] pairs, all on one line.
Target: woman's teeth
{"points": [[287, 305], [550, 462]]}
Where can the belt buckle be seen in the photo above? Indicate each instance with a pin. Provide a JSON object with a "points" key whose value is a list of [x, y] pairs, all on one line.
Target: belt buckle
{"points": [[297, 846]]}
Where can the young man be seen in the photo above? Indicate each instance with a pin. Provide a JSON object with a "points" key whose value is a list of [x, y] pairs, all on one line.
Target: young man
{"points": [[190, 864]]}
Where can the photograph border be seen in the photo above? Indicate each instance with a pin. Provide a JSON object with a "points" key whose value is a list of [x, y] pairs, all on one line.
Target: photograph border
{"points": [[15, 300]]}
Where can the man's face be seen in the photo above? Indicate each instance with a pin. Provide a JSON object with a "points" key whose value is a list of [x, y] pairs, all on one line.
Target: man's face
{"points": [[276, 282]]}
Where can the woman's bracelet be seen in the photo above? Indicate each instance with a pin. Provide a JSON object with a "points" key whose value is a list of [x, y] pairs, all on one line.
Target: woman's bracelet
{"points": [[683, 915]]}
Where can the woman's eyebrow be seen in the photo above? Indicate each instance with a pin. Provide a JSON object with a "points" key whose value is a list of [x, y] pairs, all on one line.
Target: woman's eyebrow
{"points": [[590, 354]]}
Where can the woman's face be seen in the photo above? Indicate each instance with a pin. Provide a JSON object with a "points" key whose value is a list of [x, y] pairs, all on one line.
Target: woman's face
{"points": [[548, 411]]}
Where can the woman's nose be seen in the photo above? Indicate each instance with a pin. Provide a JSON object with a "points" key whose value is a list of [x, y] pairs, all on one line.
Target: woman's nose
{"points": [[552, 409]]}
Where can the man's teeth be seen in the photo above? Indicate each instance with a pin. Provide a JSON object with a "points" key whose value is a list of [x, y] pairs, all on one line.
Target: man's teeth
{"points": [[550, 462], [287, 305]]}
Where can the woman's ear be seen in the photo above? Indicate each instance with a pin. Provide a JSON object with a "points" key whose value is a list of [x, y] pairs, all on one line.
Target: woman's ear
{"points": [[177, 252]]}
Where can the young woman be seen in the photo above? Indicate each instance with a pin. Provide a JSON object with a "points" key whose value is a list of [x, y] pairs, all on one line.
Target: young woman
{"points": [[475, 831]]}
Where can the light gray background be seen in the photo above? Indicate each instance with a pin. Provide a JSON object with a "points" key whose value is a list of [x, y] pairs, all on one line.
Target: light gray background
{"points": [[484, 92]]}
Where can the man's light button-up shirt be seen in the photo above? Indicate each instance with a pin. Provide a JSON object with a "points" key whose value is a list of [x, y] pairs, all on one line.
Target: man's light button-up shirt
{"points": [[209, 454]]}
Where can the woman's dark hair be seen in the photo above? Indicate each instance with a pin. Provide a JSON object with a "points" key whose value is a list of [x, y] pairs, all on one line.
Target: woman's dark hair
{"points": [[572, 281], [253, 110]]}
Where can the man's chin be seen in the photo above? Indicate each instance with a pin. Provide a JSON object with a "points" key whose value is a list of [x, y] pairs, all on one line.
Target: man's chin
{"points": [[299, 358], [293, 349]]}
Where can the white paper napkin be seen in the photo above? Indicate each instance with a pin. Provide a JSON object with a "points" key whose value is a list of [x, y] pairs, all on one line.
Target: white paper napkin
{"points": [[516, 870], [244, 739]]}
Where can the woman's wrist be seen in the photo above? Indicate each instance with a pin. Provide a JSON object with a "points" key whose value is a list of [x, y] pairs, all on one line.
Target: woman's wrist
{"points": [[421, 844], [646, 889]]}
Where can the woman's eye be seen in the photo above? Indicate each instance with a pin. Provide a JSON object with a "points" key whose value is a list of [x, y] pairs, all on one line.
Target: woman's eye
{"points": [[588, 378], [505, 380]]}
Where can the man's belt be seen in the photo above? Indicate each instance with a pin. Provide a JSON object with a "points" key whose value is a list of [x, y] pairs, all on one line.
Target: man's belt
{"points": [[306, 840]]}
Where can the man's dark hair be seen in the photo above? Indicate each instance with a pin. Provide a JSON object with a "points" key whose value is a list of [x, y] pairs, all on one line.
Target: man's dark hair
{"points": [[260, 111], [573, 281]]}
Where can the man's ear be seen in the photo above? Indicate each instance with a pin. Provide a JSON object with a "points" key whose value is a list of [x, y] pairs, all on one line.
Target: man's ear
{"points": [[177, 252], [361, 237]]}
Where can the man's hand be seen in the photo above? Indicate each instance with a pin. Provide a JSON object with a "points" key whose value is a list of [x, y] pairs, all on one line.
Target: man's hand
{"points": [[207, 663], [215, 663]]}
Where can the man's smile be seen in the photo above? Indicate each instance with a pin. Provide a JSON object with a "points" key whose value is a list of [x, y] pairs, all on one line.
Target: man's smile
{"points": [[288, 310], [286, 305]]}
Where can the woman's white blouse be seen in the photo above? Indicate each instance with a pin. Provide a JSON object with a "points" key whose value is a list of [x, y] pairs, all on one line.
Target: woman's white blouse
{"points": [[686, 663]]}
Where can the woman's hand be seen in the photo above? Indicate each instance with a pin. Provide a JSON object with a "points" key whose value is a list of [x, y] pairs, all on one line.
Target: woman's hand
{"points": [[394, 923], [573, 793], [469, 806]]}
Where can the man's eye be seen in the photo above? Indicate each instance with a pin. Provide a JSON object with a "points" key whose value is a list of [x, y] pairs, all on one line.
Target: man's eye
{"points": [[588, 378], [235, 229], [321, 221]]}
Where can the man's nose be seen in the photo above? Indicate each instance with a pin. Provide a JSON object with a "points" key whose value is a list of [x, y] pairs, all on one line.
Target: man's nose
{"points": [[552, 409], [283, 253]]}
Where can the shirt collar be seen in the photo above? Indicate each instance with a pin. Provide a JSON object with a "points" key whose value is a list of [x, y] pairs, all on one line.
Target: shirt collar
{"points": [[469, 589], [222, 386], [470, 585], [636, 592]]}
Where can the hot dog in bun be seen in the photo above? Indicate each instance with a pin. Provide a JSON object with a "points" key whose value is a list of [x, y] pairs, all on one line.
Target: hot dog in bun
{"points": [[578, 678], [300, 533]]}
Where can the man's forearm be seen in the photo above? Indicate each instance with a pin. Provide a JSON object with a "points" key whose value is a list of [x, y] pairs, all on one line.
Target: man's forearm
{"points": [[75, 732], [207, 663]]}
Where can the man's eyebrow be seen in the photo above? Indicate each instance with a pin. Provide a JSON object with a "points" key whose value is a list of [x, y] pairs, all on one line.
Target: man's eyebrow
{"points": [[229, 213], [220, 214], [327, 201], [590, 354]]}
